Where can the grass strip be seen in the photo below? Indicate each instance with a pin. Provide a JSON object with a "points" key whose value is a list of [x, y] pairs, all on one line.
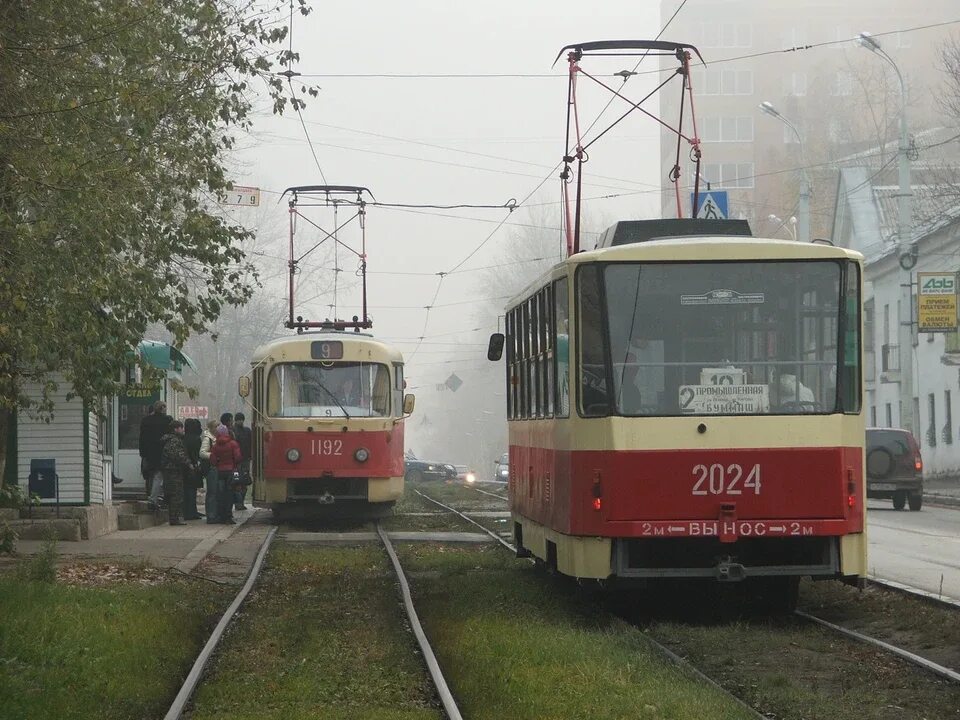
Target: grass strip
{"points": [[119, 651], [516, 644], [322, 636], [915, 624], [794, 670]]}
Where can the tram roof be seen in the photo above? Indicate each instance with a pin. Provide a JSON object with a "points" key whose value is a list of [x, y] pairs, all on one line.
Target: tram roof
{"points": [[694, 249], [346, 337]]}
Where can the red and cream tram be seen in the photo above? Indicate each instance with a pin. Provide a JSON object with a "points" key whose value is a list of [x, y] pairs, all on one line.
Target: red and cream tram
{"points": [[685, 401], [328, 415]]}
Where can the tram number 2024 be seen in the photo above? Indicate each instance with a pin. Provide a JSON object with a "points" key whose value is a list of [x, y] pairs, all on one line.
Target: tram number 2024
{"points": [[731, 479]]}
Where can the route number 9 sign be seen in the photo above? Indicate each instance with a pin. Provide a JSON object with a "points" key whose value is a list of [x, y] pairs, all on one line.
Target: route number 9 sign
{"points": [[326, 350]]}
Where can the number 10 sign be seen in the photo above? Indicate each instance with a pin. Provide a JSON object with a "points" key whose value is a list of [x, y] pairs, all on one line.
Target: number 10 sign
{"points": [[241, 195]]}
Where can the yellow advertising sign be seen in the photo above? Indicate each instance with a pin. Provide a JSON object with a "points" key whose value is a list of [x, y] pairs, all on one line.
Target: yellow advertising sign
{"points": [[936, 302]]}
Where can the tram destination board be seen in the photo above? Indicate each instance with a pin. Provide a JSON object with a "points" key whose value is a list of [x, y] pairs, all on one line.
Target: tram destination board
{"points": [[326, 350], [724, 399]]}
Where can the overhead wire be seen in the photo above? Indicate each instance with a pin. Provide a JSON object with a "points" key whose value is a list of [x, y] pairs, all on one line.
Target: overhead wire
{"points": [[536, 189], [735, 58]]}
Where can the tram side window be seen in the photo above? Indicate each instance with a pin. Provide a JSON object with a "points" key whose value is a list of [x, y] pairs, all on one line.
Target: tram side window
{"points": [[398, 389], [532, 358], [508, 330], [524, 360], [850, 394], [594, 401], [561, 344], [546, 354]]}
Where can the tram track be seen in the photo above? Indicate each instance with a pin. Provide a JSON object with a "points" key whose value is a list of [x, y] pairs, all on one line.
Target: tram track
{"points": [[189, 686], [915, 660], [195, 677]]}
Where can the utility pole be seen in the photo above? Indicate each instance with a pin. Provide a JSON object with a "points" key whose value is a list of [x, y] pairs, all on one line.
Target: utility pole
{"points": [[905, 250]]}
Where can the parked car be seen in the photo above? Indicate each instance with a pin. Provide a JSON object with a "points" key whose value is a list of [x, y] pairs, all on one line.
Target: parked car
{"points": [[420, 470], [501, 469], [465, 474], [894, 467]]}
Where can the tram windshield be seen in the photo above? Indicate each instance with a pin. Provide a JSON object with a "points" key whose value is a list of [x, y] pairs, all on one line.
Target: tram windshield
{"points": [[719, 338], [329, 389]]}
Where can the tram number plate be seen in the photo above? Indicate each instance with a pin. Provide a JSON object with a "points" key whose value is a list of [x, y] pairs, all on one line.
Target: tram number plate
{"points": [[733, 479], [326, 447]]}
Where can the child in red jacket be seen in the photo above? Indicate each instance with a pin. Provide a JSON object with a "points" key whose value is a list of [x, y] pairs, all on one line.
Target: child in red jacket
{"points": [[225, 457]]}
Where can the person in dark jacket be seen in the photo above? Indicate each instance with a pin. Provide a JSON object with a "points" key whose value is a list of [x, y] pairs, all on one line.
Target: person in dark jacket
{"points": [[225, 457], [152, 430], [244, 438], [192, 439], [175, 465]]}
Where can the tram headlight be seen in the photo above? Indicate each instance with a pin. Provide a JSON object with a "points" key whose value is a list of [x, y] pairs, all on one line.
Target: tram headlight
{"points": [[361, 454], [293, 454]]}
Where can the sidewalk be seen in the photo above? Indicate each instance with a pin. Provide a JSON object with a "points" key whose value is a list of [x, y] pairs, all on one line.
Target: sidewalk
{"points": [[182, 547], [942, 491]]}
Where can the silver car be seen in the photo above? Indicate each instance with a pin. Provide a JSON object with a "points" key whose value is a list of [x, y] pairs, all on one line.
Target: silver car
{"points": [[501, 469]]}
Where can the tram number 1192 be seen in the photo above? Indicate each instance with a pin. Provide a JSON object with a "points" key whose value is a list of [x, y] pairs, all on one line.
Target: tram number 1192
{"points": [[731, 479]]}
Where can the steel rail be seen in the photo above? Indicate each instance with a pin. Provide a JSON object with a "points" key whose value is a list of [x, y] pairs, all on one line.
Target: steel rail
{"points": [[491, 533], [910, 657], [662, 649], [905, 589], [446, 697], [193, 677], [487, 492]]}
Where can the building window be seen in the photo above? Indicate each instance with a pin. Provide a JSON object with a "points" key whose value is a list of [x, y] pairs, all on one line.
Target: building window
{"points": [[795, 84], [947, 433], [726, 35], [842, 36], [889, 416], [728, 175], [842, 84], [873, 416], [793, 37], [932, 420], [727, 129], [723, 82], [903, 40]]}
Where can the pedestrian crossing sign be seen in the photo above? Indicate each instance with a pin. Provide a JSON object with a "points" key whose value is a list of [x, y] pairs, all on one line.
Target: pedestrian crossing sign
{"points": [[712, 205]]}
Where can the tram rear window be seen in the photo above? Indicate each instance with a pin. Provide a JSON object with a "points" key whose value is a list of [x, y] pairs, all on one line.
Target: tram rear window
{"points": [[326, 350]]}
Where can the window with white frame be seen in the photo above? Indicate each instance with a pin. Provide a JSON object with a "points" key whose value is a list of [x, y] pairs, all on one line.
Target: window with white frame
{"points": [[723, 82], [795, 84], [726, 129], [726, 35], [794, 37], [728, 175], [842, 84]]}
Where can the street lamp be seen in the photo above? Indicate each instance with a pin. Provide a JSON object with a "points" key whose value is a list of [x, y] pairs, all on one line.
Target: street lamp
{"points": [[907, 257], [783, 224], [803, 233]]}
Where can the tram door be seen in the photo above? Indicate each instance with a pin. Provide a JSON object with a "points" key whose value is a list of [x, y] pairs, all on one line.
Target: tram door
{"points": [[259, 394]]}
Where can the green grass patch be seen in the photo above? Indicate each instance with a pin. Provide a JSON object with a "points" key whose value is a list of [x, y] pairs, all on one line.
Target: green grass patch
{"points": [[119, 651], [322, 636], [516, 644]]}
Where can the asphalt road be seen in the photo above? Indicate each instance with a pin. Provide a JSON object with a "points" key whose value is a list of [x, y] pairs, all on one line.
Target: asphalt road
{"points": [[921, 549]]}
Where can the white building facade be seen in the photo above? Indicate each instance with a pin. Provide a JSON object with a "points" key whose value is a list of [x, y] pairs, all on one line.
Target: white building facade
{"points": [[864, 217]]}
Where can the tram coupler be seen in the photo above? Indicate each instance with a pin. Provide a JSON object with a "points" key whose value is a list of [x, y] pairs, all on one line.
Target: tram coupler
{"points": [[326, 499], [730, 572]]}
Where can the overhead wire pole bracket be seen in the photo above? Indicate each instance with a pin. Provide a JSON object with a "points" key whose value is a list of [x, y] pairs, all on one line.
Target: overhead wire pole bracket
{"points": [[328, 196], [575, 149]]}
